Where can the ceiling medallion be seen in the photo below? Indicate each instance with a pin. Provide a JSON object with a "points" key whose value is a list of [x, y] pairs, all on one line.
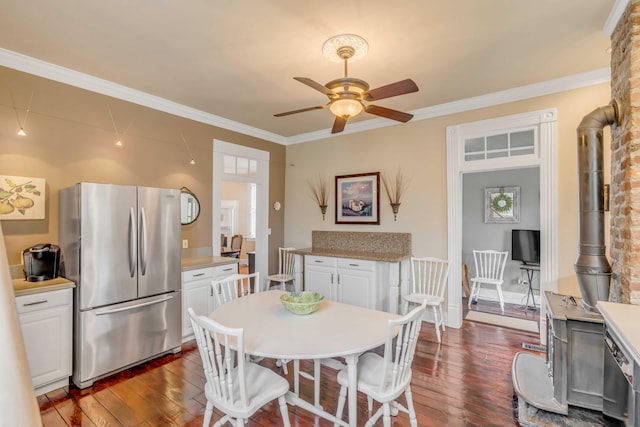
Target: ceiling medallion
{"points": [[342, 46]]}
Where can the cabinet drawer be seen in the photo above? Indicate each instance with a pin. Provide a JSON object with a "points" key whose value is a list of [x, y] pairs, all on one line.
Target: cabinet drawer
{"points": [[225, 270], [356, 264], [197, 274], [43, 300], [320, 260]]}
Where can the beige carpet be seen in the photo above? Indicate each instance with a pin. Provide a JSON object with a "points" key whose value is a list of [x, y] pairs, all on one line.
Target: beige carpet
{"points": [[504, 321]]}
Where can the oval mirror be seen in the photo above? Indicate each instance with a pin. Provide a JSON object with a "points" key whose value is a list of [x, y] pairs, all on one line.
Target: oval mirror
{"points": [[189, 206]]}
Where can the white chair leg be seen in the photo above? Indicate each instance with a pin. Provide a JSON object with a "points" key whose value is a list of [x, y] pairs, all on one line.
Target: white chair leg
{"points": [[441, 317], [316, 383], [412, 412], [208, 412], [284, 411], [341, 400], [500, 297], [386, 415], [369, 403], [435, 316]]}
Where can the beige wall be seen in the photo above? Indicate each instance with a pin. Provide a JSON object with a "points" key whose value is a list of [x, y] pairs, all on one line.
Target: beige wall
{"points": [[71, 139], [419, 148]]}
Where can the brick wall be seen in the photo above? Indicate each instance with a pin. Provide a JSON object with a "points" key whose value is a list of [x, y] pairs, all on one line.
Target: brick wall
{"points": [[625, 159]]}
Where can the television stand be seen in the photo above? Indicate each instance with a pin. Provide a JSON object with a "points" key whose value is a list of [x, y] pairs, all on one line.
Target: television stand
{"points": [[530, 270]]}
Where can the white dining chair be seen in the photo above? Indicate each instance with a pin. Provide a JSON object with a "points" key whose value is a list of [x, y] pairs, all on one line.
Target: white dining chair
{"points": [[489, 270], [428, 284], [236, 387], [384, 378], [235, 286], [286, 264]]}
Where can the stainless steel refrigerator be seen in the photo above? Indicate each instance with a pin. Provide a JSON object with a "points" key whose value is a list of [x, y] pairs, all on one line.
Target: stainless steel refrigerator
{"points": [[121, 246]]}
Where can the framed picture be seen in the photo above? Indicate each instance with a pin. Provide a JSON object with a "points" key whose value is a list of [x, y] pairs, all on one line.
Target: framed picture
{"points": [[358, 198], [501, 205], [21, 197]]}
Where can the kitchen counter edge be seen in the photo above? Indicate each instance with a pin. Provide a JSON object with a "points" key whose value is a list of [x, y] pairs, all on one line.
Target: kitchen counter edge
{"points": [[206, 262], [22, 287], [371, 256]]}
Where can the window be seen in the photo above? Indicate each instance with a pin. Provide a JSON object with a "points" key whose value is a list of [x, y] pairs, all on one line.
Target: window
{"points": [[508, 144], [241, 166]]}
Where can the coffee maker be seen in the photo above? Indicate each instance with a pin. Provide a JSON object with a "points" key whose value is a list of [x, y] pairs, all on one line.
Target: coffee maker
{"points": [[42, 262]]}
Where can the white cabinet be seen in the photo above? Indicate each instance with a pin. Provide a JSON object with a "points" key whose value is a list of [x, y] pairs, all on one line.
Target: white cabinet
{"points": [[346, 280], [198, 294], [46, 323]]}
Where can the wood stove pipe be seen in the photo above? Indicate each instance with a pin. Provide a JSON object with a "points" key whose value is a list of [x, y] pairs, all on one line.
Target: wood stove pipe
{"points": [[591, 266]]}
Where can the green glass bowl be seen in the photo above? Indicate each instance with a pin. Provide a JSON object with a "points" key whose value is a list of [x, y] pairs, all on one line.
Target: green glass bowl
{"points": [[301, 302]]}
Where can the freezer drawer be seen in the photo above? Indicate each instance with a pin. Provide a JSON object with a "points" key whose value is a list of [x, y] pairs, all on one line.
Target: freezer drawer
{"points": [[111, 338]]}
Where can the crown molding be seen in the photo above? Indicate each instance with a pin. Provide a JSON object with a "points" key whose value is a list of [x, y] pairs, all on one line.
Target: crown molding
{"points": [[60, 74], [614, 16]]}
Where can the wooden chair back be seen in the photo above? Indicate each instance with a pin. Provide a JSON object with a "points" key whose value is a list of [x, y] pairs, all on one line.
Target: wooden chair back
{"points": [[490, 264], [235, 286], [429, 275], [286, 261]]}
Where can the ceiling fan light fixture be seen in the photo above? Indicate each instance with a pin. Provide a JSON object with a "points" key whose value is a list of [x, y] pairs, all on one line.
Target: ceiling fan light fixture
{"points": [[345, 46], [346, 108]]}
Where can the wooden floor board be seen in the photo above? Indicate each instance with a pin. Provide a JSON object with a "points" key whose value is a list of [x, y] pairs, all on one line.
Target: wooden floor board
{"points": [[463, 381]]}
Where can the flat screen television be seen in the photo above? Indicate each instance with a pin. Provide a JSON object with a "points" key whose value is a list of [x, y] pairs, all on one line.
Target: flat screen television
{"points": [[525, 246]]}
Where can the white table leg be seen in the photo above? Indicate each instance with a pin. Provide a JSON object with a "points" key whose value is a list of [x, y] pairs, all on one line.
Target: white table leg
{"points": [[352, 394]]}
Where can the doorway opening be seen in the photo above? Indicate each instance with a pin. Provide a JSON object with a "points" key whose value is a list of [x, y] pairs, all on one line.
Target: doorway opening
{"points": [[240, 201], [502, 144]]}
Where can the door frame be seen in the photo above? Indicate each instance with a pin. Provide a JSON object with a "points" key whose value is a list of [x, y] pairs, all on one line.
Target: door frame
{"points": [[262, 196], [545, 122]]}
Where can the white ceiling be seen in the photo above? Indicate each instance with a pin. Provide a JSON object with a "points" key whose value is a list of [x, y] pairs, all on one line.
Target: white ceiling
{"points": [[236, 59]]}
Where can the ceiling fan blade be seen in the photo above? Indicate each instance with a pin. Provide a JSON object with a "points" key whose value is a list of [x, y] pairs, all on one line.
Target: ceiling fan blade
{"points": [[339, 124], [393, 89], [302, 110], [388, 113], [317, 86]]}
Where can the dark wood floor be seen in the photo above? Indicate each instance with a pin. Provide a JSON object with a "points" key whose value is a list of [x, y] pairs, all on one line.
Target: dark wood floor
{"points": [[464, 381]]}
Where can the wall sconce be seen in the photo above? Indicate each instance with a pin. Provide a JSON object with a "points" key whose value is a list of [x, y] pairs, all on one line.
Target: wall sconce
{"points": [[320, 192], [395, 189]]}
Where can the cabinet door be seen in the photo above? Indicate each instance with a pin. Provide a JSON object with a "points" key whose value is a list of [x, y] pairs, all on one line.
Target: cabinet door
{"points": [[196, 294], [354, 287], [47, 340], [321, 279], [196, 297]]}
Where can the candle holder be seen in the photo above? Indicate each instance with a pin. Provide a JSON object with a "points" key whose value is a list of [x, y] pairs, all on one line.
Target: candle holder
{"points": [[320, 193], [323, 209], [394, 208], [395, 189]]}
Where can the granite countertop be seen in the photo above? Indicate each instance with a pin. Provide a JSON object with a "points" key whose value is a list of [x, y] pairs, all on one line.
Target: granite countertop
{"points": [[206, 261], [22, 287], [372, 256]]}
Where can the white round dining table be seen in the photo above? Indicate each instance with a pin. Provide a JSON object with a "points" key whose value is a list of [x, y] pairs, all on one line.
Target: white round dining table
{"points": [[334, 330]]}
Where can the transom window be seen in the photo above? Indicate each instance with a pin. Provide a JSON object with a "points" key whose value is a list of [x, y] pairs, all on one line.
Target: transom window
{"points": [[241, 166], [508, 144]]}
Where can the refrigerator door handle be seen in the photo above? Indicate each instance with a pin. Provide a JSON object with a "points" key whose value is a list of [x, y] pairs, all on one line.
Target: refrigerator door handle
{"points": [[132, 243], [132, 307], [143, 242]]}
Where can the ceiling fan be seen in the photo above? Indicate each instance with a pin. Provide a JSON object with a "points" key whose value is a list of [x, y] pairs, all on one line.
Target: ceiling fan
{"points": [[347, 95]]}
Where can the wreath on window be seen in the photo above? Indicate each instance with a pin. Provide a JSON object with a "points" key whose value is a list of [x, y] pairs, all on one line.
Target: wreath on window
{"points": [[502, 203]]}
